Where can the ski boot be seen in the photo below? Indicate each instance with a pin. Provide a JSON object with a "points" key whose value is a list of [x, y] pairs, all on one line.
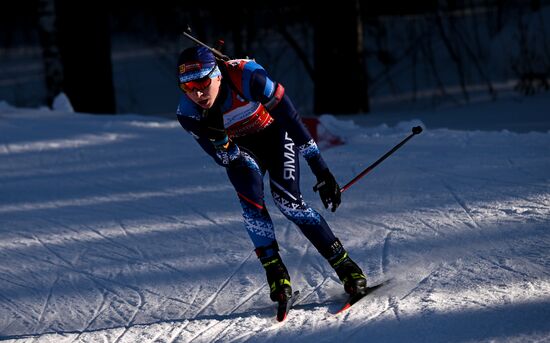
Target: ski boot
{"points": [[277, 276], [353, 278]]}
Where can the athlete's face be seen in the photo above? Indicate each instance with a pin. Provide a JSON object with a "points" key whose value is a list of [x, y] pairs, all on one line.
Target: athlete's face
{"points": [[205, 97]]}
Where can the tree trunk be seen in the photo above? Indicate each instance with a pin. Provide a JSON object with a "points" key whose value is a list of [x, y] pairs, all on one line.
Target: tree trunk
{"points": [[85, 46], [53, 68], [340, 70]]}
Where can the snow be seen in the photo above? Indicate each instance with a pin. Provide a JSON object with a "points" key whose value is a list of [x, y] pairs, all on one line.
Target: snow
{"points": [[62, 103], [120, 229]]}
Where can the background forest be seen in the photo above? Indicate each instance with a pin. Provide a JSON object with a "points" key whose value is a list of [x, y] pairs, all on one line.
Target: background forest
{"points": [[359, 56]]}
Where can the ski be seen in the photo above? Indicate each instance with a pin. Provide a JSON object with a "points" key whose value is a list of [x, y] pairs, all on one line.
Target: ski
{"points": [[284, 307], [354, 299]]}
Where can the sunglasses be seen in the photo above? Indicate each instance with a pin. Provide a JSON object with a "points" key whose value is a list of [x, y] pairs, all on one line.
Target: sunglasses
{"points": [[197, 85]]}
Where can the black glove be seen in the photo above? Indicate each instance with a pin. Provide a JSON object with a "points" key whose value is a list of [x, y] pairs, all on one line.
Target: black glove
{"points": [[328, 188], [219, 138], [212, 127]]}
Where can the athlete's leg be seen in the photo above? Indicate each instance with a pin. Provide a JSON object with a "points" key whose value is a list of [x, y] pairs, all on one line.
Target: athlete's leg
{"points": [[247, 179], [284, 173], [285, 188]]}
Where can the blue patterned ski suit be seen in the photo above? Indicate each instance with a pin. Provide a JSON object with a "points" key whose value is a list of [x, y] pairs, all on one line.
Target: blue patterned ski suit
{"points": [[263, 123]]}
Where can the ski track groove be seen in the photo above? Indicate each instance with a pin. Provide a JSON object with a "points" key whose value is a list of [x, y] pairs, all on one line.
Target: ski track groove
{"points": [[216, 224], [394, 305], [166, 297], [186, 324], [543, 206], [203, 331], [51, 251], [167, 266], [251, 333], [222, 286], [97, 312], [222, 331], [231, 322], [156, 337], [80, 252], [95, 279], [46, 303], [13, 307], [393, 302], [212, 299], [428, 225], [385, 258], [424, 280], [179, 330], [101, 307], [129, 324], [193, 301], [504, 267], [382, 225], [314, 285], [116, 243], [246, 299], [373, 317], [478, 226], [17, 284], [386, 252], [462, 204], [314, 289], [126, 233]]}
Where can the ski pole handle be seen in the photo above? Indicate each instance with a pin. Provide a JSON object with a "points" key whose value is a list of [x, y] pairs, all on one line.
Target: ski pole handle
{"points": [[415, 131]]}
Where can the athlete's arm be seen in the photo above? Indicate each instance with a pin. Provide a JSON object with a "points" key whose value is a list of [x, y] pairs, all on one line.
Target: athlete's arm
{"points": [[193, 126], [279, 105]]}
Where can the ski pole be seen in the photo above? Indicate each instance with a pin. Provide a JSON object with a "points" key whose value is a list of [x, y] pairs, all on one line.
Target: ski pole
{"points": [[415, 131]]}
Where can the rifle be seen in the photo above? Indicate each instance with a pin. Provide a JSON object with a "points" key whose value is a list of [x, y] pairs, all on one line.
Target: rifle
{"points": [[216, 51]]}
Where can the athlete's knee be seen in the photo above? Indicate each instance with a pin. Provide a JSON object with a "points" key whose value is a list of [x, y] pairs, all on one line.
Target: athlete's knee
{"points": [[297, 210]]}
